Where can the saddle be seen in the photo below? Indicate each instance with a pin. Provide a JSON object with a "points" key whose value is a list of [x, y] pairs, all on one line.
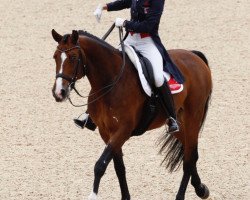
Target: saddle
{"points": [[147, 68], [145, 72]]}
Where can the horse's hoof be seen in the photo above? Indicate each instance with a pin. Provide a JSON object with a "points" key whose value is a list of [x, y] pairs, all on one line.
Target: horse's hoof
{"points": [[203, 192], [92, 196], [206, 192]]}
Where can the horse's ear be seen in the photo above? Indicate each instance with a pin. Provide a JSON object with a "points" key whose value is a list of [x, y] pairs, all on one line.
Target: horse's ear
{"points": [[57, 37], [74, 37]]}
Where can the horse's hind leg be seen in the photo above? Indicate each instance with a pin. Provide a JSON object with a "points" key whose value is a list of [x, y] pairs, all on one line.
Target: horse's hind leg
{"points": [[191, 129], [201, 189], [190, 170], [184, 182], [121, 174]]}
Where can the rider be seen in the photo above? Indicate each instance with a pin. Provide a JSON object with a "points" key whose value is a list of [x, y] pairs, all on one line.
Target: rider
{"points": [[143, 35]]}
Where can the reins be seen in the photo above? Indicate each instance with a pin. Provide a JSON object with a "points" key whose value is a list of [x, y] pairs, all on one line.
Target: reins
{"points": [[110, 86], [108, 32]]}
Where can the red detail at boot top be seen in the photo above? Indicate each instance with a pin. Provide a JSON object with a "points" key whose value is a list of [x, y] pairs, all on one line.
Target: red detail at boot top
{"points": [[173, 84]]}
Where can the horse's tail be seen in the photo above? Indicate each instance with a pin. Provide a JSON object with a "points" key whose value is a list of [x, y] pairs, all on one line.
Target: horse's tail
{"points": [[201, 55], [173, 149]]}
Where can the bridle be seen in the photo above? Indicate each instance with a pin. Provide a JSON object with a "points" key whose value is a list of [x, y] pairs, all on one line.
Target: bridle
{"points": [[72, 80]]}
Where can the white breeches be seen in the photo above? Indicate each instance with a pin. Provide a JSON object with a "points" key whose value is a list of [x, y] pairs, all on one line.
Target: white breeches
{"points": [[148, 49]]}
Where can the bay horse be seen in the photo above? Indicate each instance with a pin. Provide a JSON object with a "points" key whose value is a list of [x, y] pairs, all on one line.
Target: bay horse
{"points": [[117, 111]]}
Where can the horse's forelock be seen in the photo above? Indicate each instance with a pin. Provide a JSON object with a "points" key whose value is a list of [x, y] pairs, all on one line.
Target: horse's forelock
{"points": [[65, 38]]}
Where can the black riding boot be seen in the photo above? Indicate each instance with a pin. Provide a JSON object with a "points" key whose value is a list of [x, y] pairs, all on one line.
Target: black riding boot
{"points": [[85, 122], [168, 104]]}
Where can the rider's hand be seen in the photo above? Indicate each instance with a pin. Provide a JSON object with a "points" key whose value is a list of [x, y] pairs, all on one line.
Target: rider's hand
{"points": [[119, 22], [98, 12]]}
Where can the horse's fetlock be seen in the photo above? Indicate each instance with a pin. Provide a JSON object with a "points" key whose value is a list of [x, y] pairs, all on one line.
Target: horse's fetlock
{"points": [[196, 183]]}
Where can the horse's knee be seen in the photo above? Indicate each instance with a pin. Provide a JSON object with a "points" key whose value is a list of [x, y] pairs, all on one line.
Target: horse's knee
{"points": [[100, 168], [102, 163]]}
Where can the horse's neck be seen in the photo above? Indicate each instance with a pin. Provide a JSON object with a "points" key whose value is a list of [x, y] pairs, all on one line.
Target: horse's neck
{"points": [[102, 64]]}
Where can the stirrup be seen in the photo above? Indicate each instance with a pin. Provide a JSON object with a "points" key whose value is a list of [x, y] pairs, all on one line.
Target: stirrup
{"points": [[85, 122], [82, 123], [172, 126]]}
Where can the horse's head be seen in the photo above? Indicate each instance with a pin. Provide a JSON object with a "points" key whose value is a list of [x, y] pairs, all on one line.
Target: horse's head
{"points": [[69, 58]]}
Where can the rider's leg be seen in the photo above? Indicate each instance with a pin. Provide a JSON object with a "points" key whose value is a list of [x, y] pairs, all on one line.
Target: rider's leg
{"points": [[167, 100], [148, 49]]}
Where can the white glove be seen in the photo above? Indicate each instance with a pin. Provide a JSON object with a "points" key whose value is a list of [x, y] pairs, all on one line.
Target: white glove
{"points": [[119, 22], [98, 12]]}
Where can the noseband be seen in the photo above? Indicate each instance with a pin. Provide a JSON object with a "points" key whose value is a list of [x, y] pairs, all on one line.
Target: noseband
{"points": [[72, 80]]}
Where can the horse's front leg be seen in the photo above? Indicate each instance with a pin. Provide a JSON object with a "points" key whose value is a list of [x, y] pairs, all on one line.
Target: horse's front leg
{"points": [[114, 145], [121, 174], [100, 168]]}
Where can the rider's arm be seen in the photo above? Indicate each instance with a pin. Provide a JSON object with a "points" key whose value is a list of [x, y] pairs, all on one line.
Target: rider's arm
{"points": [[152, 19], [118, 5]]}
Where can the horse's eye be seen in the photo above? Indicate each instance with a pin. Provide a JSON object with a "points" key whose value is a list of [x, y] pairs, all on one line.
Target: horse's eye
{"points": [[72, 58], [55, 56]]}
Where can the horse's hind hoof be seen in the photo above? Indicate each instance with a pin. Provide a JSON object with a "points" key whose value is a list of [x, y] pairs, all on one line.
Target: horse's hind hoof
{"points": [[206, 192], [203, 192]]}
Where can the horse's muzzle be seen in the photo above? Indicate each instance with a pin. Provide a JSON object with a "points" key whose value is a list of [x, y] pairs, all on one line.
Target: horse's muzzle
{"points": [[60, 95]]}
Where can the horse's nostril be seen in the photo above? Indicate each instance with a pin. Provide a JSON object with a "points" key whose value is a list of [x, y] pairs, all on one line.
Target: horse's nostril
{"points": [[63, 92]]}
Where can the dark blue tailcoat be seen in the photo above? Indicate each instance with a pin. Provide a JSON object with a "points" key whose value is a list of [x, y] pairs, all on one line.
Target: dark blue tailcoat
{"points": [[145, 18]]}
